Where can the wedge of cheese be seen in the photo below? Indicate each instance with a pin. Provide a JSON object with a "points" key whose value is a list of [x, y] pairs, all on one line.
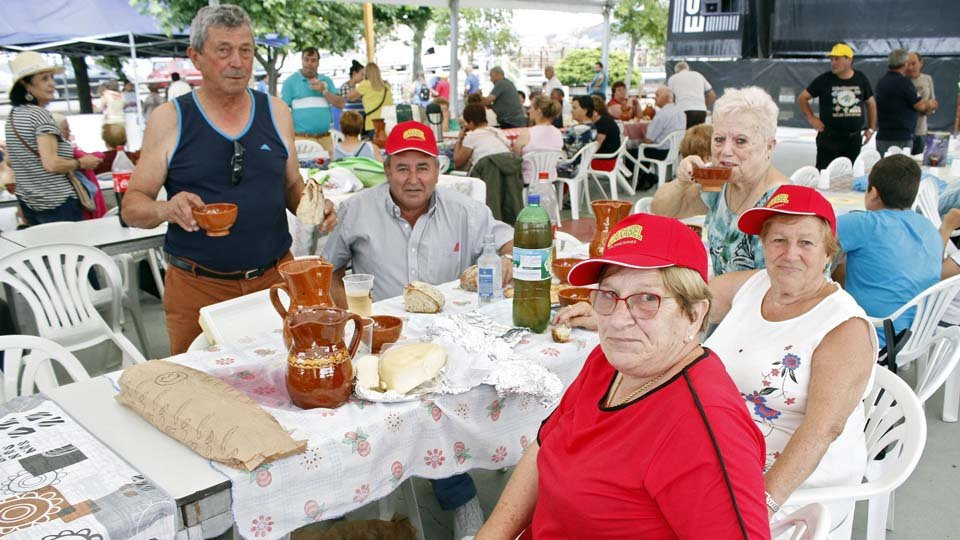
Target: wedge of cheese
{"points": [[405, 367]]}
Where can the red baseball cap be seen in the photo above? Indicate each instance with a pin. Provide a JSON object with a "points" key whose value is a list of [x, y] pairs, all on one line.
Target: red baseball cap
{"points": [[789, 199], [411, 135], [645, 241]]}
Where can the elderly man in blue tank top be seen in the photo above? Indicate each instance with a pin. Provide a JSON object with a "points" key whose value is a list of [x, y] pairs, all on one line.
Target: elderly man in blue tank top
{"points": [[221, 143]]}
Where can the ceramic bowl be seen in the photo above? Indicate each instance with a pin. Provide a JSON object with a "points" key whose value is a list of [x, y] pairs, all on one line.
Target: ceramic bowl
{"points": [[712, 178], [572, 295], [562, 267], [216, 218], [386, 329]]}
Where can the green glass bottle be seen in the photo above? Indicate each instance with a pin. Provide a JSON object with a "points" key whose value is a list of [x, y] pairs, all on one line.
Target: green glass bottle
{"points": [[532, 257]]}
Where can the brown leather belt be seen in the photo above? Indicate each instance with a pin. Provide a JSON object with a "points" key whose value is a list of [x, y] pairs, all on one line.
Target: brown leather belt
{"points": [[196, 269], [312, 135]]}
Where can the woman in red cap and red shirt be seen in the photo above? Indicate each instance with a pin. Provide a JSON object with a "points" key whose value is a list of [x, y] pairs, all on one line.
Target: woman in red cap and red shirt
{"points": [[652, 439]]}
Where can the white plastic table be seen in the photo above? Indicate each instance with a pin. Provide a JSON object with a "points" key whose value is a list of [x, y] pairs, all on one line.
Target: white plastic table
{"points": [[104, 233]]}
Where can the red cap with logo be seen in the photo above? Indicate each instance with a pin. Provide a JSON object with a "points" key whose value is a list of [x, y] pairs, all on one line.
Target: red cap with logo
{"points": [[411, 135], [792, 200], [645, 241]]}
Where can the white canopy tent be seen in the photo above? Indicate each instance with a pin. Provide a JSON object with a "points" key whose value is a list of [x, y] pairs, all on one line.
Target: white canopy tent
{"points": [[579, 6]]}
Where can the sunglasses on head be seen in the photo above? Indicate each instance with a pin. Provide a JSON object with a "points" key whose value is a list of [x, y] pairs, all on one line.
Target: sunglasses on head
{"points": [[236, 163]]}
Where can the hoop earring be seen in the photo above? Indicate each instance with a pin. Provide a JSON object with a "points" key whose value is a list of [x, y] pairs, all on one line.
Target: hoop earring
{"points": [[28, 97]]}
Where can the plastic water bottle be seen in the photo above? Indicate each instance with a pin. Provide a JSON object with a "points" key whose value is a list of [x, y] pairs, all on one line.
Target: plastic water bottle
{"points": [[532, 258], [548, 200], [121, 171], [489, 273]]}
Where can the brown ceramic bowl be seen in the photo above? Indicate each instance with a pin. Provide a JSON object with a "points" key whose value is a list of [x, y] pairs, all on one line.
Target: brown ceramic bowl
{"points": [[11, 187], [697, 229], [572, 295], [562, 267], [386, 329], [216, 218], [712, 178]]}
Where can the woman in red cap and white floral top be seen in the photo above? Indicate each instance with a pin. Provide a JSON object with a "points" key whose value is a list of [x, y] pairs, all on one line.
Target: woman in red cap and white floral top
{"points": [[800, 350], [651, 440]]}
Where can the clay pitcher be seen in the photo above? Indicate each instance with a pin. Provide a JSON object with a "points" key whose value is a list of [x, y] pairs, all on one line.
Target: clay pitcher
{"points": [[379, 132], [608, 214], [307, 283], [319, 370]]}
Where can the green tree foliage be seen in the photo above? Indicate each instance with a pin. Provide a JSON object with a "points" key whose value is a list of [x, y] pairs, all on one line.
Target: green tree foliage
{"points": [[417, 18], [487, 30], [576, 68], [329, 26], [642, 21]]}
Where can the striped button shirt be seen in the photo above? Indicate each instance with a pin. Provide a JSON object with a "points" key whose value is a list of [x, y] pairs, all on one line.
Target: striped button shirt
{"points": [[38, 188]]}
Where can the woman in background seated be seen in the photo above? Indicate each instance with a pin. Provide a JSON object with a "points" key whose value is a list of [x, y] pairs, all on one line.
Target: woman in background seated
{"points": [[351, 124], [608, 135], [114, 135], [800, 350], [542, 136], [696, 142], [651, 440], [477, 139]]}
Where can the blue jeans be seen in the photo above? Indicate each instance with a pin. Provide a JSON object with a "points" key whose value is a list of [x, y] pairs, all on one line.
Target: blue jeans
{"points": [[454, 492], [70, 210]]}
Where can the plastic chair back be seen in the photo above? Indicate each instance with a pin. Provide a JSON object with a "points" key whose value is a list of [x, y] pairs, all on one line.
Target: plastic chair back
{"points": [[930, 306], [808, 176], [928, 201], [27, 364], [307, 149], [336, 136], [840, 167], [643, 205], [939, 364], [545, 161], [893, 150], [869, 157], [810, 522]]}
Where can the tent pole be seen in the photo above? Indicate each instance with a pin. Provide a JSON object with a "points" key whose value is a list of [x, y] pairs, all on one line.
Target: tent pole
{"points": [[135, 81], [368, 30], [606, 44], [454, 62], [66, 86]]}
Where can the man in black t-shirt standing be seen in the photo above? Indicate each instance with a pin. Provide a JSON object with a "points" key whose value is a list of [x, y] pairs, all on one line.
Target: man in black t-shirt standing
{"points": [[899, 104], [844, 93]]}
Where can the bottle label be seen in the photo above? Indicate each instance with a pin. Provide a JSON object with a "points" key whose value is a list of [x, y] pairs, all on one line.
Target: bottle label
{"points": [[532, 264], [485, 282], [120, 181]]}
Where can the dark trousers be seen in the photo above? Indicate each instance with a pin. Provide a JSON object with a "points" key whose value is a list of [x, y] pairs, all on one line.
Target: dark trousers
{"points": [[70, 210], [695, 118], [454, 492], [834, 144], [919, 143], [507, 125]]}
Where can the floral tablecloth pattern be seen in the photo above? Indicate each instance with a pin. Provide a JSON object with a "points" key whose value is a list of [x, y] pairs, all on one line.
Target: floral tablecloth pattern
{"points": [[362, 451], [57, 481]]}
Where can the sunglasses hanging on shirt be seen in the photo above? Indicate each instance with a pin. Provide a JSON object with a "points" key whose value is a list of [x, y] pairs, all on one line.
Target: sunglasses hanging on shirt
{"points": [[236, 164]]}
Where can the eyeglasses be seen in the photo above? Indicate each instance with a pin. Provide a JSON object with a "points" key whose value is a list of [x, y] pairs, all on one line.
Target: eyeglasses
{"points": [[236, 163], [642, 305]]}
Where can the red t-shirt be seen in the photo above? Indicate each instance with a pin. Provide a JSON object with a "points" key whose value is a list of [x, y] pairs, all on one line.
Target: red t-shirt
{"points": [[648, 469], [443, 89]]}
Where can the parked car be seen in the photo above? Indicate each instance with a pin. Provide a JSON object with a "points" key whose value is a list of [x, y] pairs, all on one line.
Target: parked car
{"points": [[164, 67]]}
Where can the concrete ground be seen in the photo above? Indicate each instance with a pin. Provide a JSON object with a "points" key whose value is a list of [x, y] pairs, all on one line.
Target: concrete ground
{"points": [[924, 504]]}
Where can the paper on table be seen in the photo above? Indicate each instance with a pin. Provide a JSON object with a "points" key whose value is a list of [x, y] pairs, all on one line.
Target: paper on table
{"points": [[214, 419]]}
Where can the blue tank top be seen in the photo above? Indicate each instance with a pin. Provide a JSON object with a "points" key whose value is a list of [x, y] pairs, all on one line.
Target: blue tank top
{"points": [[200, 164]]}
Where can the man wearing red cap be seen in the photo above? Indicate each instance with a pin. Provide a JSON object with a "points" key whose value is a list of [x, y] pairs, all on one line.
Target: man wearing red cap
{"points": [[407, 230]]}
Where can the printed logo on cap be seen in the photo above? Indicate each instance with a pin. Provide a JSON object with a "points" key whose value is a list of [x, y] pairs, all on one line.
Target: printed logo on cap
{"points": [[778, 200], [414, 134], [633, 231]]}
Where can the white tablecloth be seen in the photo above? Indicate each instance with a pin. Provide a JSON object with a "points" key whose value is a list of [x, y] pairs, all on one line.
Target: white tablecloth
{"points": [[362, 451]]}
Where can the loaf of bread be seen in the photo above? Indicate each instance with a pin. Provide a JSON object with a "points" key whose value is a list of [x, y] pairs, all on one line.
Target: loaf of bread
{"points": [[420, 297], [468, 279], [405, 367], [560, 333]]}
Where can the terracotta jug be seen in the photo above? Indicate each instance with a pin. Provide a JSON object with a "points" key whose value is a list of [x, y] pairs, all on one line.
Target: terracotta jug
{"points": [[319, 370], [379, 132], [608, 214], [626, 112], [307, 282]]}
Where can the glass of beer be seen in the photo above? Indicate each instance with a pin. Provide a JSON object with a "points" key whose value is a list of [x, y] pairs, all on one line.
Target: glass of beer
{"points": [[358, 288]]}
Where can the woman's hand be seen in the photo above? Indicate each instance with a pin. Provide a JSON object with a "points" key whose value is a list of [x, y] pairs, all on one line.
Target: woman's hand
{"points": [[685, 171], [579, 315], [89, 161]]}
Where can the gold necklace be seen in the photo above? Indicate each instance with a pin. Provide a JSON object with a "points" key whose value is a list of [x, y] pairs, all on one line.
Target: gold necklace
{"points": [[633, 394]]}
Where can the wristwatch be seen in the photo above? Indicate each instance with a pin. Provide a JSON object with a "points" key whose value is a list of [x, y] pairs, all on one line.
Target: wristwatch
{"points": [[772, 504]]}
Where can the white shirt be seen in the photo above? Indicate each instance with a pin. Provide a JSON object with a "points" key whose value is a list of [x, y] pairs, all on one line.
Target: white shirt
{"points": [[690, 88], [552, 82], [485, 142], [177, 89]]}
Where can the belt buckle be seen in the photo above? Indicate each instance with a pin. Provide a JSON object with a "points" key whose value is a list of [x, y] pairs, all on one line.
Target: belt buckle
{"points": [[251, 274]]}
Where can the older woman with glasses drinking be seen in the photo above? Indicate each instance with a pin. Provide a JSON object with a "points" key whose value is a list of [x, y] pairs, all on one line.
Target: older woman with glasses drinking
{"points": [[651, 440]]}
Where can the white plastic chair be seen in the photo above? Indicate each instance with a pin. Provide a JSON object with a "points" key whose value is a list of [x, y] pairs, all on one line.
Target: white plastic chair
{"points": [[27, 364], [868, 157], [336, 136], [808, 176], [542, 162], [928, 201], [810, 522], [307, 149], [443, 163], [672, 159], [53, 281], [840, 167], [896, 425], [619, 175], [578, 185], [567, 243], [893, 150], [643, 205], [939, 368]]}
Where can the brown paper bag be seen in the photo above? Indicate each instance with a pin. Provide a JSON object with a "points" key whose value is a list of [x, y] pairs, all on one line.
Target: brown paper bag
{"points": [[211, 417], [310, 209]]}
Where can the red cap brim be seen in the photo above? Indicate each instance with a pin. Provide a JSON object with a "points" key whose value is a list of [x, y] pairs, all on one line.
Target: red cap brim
{"points": [[588, 272]]}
